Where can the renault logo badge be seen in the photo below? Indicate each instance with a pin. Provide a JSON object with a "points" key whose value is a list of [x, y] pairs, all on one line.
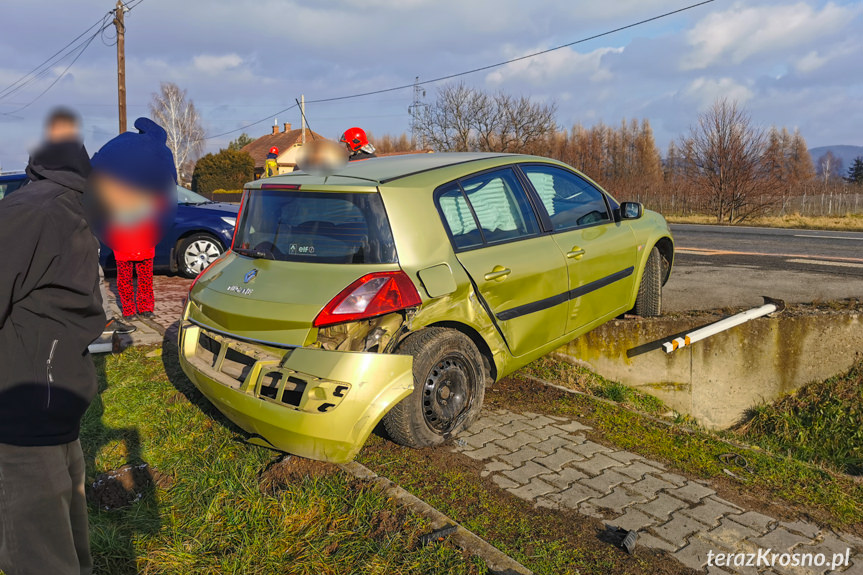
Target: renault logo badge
{"points": [[250, 275]]}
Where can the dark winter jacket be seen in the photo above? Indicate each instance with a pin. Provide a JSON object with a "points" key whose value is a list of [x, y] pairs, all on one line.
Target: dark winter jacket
{"points": [[50, 304]]}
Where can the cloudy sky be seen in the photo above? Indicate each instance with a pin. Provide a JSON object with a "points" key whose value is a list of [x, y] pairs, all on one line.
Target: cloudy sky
{"points": [[795, 63]]}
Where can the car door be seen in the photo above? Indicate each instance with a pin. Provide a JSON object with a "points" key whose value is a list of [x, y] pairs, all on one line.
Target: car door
{"points": [[519, 273], [600, 253]]}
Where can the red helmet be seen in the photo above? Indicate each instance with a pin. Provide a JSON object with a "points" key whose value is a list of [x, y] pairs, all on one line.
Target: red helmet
{"points": [[274, 150], [354, 138]]}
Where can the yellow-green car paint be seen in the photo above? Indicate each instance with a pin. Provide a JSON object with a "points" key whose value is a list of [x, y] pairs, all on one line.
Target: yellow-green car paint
{"points": [[269, 316]]}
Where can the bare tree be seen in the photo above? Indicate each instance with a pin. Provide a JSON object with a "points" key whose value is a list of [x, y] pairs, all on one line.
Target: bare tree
{"points": [[178, 115], [464, 119], [390, 143], [723, 162], [829, 167]]}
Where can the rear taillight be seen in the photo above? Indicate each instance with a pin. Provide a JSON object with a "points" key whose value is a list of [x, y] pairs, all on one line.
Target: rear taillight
{"points": [[371, 295], [280, 187]]}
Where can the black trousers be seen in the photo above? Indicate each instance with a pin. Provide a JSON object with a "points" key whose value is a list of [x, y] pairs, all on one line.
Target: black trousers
{"points": [[43, 511]]}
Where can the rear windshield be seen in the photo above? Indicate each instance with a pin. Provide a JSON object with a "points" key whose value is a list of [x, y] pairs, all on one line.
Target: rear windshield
{"points": [[345, 228]]}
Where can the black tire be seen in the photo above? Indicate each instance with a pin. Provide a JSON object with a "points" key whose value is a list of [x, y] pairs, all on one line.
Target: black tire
{"points": [[649, 300], [449, 388], [196, 252]]}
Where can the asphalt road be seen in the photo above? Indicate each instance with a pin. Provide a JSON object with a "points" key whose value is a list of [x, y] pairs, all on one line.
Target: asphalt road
{"points": [[718, 267]]}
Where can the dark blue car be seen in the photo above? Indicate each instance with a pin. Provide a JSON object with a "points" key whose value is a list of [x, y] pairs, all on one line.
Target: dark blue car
{"points": [[202, 231]]}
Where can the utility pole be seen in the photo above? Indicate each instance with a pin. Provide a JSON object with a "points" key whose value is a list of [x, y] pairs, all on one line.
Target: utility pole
{"points": [[415, 109], [120, 24], [303, 114]]}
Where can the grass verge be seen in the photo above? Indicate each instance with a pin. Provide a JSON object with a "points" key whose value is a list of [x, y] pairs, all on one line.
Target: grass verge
{"points": [[579, 378], [850, 222], [821, 422], [216, 517], [778, 485]]}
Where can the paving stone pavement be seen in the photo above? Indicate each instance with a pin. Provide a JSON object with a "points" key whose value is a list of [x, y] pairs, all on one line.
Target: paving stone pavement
{"points": [[170, 293], [549, 461]]}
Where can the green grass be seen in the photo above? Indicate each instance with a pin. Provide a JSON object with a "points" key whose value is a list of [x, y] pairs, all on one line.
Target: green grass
{"points": [[215, 518], [830, 499], [580, 378], [821, 423]]}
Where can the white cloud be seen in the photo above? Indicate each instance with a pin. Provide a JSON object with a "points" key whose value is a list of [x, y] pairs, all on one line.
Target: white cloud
{"points": [[213, 64], [561, 65], [810, 62], [741, 32], [703, 91]]}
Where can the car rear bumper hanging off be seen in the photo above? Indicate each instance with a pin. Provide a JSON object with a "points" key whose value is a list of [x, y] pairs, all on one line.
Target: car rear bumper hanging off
{"points": [[310, 402]]}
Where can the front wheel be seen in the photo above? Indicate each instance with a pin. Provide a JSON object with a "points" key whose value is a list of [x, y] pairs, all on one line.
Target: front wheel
{"points": [[196, 252], [649, 300], [449, 388]]}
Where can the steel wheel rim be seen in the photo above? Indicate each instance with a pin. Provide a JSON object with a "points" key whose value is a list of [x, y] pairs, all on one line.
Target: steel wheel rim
{"points": [[447, 393], [199, 254]]}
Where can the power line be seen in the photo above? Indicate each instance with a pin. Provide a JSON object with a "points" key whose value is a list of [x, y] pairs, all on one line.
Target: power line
{"points": [[58, 78], [49, 61], [44, 68], [291, 107], [414, 85], [513, 60]]}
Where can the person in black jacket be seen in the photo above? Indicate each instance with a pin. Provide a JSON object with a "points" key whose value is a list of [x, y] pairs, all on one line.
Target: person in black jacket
{"points": [[50, 311], [63, 125]]}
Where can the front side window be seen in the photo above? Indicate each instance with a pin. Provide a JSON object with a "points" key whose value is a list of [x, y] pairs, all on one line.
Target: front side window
{"points": [[489, 208], [348, 228], [571, 201]]}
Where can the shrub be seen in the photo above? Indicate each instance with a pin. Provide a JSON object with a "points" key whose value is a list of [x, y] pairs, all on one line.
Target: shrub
{"points": [[227, 170]]}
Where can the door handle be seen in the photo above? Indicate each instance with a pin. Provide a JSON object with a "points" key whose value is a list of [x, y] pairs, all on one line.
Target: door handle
{"points": [[575, 254], [499, 273]]}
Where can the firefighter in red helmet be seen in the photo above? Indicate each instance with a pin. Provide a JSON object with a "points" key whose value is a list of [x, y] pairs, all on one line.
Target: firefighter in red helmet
{"points": [[358, 144], [271, 166]]}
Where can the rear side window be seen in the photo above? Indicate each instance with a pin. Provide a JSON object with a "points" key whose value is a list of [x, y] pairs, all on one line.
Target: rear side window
{"points": [[570, 201], [486, 209], [347, 228], [459, 218]]}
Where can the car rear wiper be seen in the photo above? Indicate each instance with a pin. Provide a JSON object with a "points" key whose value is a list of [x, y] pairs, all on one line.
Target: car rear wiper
{"points": [[257, 254]]}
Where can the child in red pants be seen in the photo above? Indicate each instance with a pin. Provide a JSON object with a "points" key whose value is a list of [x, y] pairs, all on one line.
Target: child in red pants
{"points": [[134, 249], [144, 302]]}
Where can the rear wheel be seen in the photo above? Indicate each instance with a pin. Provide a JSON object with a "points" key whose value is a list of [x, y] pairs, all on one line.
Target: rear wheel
{"points": [[196, 252], [449, 388], [649, 300]]}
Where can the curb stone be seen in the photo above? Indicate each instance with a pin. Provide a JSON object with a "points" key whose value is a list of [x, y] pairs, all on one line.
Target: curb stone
{"points": [[498, 562]]}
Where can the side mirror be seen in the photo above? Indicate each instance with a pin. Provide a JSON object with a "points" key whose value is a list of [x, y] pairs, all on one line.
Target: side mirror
{"points": [[631, 210]]}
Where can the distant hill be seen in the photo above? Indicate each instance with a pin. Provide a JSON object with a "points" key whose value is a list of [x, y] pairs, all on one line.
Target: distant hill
{"points": [[846, 153]]}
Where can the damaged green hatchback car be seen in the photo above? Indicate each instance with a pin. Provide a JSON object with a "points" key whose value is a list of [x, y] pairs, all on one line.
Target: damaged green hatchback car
{"points": [[398, 288]]}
